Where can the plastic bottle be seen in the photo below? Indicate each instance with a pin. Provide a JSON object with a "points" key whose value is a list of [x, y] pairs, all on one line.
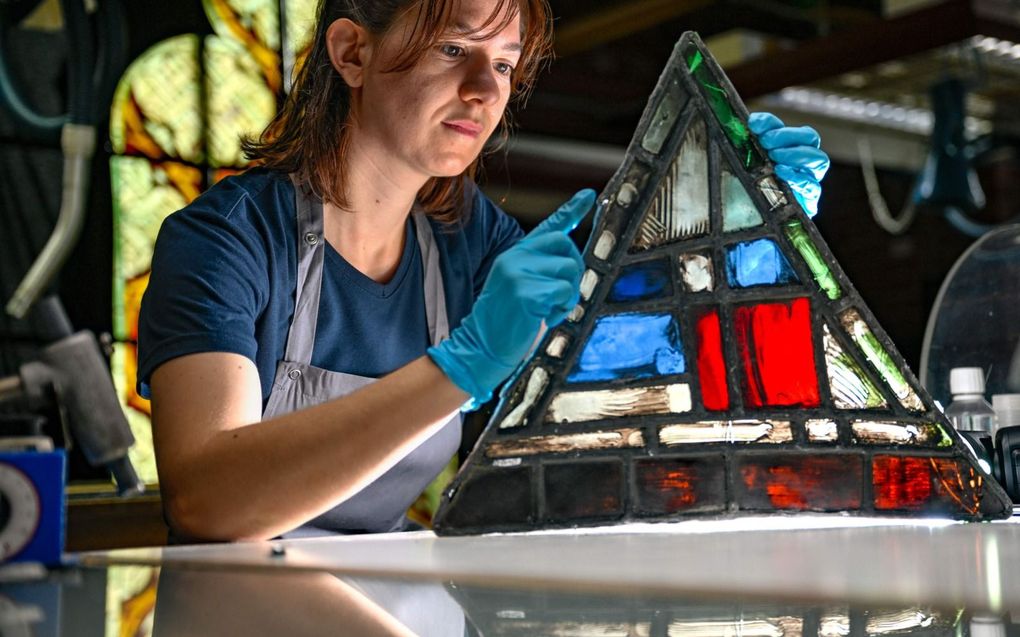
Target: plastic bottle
{"points": [[1007, 410], [969, 410]]}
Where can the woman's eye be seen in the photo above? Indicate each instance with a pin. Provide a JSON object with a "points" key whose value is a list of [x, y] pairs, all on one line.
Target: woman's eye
{"points": [[503, 68], [451, 50]]}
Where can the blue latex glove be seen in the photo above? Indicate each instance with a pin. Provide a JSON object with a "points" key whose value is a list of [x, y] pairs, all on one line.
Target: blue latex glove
{"points": [[799, 160], [534, 281]]}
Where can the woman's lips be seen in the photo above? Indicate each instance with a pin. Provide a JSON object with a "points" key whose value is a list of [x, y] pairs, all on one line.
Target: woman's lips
{"points": [[464, 127]]}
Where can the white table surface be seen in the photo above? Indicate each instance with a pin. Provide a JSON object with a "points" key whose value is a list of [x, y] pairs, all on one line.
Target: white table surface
{"points": [[805, 558]]}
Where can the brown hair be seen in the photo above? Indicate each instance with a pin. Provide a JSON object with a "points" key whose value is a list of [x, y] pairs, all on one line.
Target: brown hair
{"points": [[308, 137]]}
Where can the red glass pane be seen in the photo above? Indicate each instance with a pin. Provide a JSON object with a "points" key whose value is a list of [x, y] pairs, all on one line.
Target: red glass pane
{"points": [[711, 366], [908, 483], [669, 485], [777, 351], [826, 482]]}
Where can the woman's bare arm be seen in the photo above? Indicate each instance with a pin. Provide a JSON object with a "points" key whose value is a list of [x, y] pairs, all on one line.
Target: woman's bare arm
{"points": [[225, 475]]}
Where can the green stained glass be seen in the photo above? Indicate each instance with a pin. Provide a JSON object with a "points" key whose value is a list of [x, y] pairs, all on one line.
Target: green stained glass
{"points": [[739, 211], [851, 388], [240, 101], [816, 263], [732, 124], [880, 359], [155, 111]]}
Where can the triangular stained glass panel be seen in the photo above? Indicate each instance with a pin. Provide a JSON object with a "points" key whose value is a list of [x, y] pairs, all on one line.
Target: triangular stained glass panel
{"points": [[711, 369]]}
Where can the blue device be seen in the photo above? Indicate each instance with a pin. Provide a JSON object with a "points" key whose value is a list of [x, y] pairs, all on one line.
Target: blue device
{"points": [[32, 508]]}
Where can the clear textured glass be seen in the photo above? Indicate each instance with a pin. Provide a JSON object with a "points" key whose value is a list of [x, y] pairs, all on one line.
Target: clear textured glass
{"points": [[680, 208], [696, 270], [626, 402], [850, 387], [665, 115], [739, 212]]}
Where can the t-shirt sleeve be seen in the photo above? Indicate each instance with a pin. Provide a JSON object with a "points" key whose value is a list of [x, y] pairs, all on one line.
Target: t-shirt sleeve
{"points": [[500, 231], [207, 286]]}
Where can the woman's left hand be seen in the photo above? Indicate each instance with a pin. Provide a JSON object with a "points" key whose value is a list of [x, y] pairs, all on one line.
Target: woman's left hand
{"points": [[800, 161]]}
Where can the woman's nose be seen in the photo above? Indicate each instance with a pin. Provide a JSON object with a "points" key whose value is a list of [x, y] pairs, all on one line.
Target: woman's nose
{"points": [[480, 82]]}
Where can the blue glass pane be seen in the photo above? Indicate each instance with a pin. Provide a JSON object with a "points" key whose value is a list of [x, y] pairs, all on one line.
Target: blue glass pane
{"points": [[645, 280], [758, 262], [631, 345]]}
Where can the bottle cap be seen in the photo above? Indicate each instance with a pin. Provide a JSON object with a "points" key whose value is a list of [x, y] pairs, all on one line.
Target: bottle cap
{"points": [[1007, 409], [966, 380]]}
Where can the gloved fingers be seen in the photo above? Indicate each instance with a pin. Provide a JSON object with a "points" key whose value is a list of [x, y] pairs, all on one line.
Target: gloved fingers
{"points": [[802, 158], [761, 122], [790, 136], [562, 268], [569, 214], [807, 190], [554, 243], [548, 297]]}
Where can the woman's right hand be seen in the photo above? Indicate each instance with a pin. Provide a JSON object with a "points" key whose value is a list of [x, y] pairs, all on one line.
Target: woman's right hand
{"points": [[534, 282]]}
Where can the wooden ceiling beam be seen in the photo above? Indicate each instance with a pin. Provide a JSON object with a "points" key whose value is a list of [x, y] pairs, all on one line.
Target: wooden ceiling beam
{"points": [[866, 46], [599, 28]]}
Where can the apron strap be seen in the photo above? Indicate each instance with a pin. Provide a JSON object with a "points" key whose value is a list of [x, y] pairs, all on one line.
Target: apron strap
{"points": [[435, 295], [310, 253]]}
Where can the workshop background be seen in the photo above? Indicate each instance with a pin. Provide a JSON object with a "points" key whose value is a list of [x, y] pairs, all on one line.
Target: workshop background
{"points": [[176, 83]]}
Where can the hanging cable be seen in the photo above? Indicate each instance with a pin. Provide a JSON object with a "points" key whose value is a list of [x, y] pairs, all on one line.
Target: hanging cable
{"points": [[879, 209]]}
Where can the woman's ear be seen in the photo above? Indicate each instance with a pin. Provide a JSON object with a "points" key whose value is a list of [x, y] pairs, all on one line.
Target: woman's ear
{"points": [[347, 43]]}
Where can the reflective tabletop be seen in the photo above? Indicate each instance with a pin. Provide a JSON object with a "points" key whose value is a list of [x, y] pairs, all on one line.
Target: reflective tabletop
{"points": [[757, 577]]}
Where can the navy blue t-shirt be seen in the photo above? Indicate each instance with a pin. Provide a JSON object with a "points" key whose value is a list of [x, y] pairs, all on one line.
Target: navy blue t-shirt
{"points": [[224, 276]]}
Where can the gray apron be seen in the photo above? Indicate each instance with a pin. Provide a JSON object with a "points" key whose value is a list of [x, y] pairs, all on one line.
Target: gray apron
{"points": [[380, 506]]}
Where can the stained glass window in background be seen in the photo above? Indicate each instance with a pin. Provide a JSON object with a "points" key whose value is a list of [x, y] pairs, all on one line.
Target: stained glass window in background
{"points": [[168, 149]]}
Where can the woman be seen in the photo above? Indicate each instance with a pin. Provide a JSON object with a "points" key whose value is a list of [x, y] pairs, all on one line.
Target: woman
{"points": [[261, 339]]}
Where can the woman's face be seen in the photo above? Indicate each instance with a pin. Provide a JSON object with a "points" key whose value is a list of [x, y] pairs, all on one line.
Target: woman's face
{"points": [[435, 117]]}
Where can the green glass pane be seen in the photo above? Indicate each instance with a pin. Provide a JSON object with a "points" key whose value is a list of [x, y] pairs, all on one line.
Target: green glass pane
{"points": [[880, 359], [155, 111], [680, 208], [816, 263], [732, 124], [665, 115], [851, 389], [739, 211], [240, 101]]}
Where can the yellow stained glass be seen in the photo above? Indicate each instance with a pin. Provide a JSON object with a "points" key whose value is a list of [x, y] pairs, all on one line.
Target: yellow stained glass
{"points": [[300, 21], [144, 193], [255, 24], [124, 366], [155, 111], [240, 101]]}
